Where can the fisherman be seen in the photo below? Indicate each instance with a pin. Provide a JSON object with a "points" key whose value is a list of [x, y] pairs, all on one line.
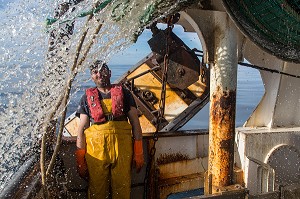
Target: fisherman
{"points": [[104, 149]]}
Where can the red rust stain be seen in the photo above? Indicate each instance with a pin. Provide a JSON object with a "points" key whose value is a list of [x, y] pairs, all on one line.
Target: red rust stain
{"points": [[222, 115]]}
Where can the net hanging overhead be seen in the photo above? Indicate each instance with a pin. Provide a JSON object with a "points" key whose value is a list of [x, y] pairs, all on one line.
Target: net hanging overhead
{"points": [[272, 24]]}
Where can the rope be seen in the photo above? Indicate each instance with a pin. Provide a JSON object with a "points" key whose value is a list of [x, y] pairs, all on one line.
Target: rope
{"points": [[62, 101], [76, 64]]}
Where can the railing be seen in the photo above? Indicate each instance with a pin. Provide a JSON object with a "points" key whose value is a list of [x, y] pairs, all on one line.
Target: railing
{"points": [[14, 188], [265, 176]]}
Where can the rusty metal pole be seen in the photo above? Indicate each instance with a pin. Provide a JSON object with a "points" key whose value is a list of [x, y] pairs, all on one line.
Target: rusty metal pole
{"points": [[223, 82]]}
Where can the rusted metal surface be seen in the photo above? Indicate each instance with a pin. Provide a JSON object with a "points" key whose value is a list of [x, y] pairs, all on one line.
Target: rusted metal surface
{"points": [[183, 168], [147, 92], [180, 175], [184, 66], [180, 184], [177, 133], [169, 158], [223, 82], [151, 182], [269, 195], [185, 96], [231, 192], [222, 114], [291, 191]]}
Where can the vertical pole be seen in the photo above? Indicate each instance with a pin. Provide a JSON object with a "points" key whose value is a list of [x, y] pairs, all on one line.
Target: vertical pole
{"points": [[223, 82]]}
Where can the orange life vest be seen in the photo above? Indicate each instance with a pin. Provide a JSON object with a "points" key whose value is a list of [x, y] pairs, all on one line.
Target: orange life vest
{"points": [[95, 107]]}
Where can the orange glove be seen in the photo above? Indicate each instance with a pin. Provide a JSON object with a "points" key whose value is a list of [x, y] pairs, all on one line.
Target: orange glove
{"points": [[81, 163], [138, 155]]}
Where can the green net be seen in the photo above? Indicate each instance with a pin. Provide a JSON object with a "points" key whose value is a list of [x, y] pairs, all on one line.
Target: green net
{"points": [[51, 21], [276, 19], [153, 10], [119, 9], [274, 25]]}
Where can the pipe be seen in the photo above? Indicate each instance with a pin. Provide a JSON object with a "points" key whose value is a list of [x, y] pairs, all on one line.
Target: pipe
{"points": [[223, 82]]}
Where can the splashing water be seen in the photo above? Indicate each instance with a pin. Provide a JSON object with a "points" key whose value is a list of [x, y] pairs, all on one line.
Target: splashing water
{"points": [[22, 50], [34, 75]]}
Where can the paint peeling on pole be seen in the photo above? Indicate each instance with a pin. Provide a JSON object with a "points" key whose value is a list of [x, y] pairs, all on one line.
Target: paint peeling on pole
{"points": [[222, 105]]}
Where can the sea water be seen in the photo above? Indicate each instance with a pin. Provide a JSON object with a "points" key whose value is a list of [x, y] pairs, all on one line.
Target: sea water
{"points": [[31, 84]]}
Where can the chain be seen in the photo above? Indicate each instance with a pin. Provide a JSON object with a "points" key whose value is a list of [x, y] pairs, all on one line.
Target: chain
{"points": [[200, 54], [267, 69], [203, 72], [161, 111]]}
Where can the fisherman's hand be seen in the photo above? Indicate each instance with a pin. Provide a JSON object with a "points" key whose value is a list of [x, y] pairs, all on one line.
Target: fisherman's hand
{"points": [[138, 156], [81, 163]]}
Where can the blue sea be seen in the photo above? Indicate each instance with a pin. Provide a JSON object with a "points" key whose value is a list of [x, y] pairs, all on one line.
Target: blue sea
{"points": [[250, 90]]}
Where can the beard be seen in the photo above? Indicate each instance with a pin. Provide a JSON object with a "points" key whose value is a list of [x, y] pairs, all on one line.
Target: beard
{"points": [[102, 84]]}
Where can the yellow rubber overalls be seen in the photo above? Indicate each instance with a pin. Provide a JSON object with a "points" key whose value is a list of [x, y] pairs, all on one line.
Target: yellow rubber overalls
{"points": [[109, 157]]}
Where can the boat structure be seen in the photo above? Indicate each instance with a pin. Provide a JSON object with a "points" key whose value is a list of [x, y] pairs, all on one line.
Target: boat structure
{"points": [[260, 160]]}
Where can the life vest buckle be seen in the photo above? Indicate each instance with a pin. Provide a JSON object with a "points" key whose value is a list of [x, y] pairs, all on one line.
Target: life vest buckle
{"points": [[109, 117]]}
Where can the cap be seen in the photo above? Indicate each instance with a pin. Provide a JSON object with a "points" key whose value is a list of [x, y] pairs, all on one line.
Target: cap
{"points": [[99, 64]]}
